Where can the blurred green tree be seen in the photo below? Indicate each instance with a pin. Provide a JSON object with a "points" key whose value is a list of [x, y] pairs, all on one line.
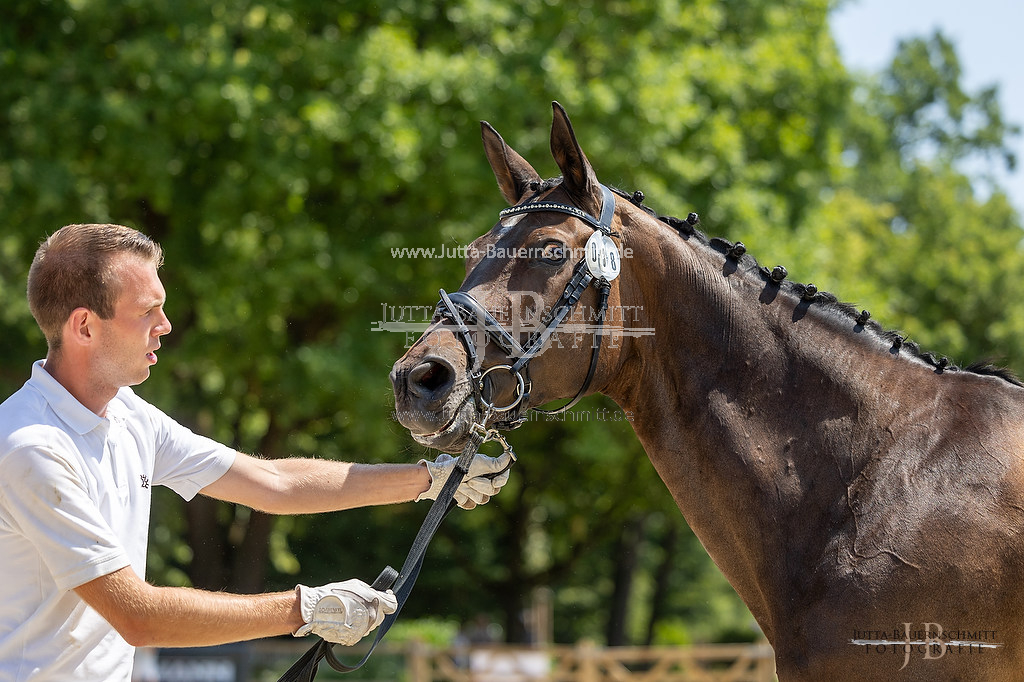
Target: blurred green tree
{"points": [[280, 150]]}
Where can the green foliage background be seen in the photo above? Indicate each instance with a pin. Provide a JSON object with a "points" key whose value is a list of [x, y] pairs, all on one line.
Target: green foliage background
{"points": [[279, 149]]}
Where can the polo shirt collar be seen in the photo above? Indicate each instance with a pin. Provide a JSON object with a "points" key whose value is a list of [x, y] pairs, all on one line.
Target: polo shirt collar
{"points": [[66, 406]]}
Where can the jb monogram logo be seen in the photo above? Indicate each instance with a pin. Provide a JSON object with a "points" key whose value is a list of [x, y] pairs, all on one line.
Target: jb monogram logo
{"points": [[930, 641]]}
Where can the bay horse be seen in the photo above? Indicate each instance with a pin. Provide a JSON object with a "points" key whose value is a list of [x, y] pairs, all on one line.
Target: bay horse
{"points": [[864, 499]]}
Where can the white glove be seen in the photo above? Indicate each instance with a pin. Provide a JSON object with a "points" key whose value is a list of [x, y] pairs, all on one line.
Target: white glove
{"points": [[479, 485], [343, 612]]}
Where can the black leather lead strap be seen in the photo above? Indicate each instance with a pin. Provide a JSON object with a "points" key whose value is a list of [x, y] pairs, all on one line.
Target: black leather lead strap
{"points": [[402, 582]]}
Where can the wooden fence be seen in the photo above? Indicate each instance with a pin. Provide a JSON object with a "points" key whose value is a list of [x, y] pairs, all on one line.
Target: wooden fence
{"points": [[588, 663], [585, 662]]}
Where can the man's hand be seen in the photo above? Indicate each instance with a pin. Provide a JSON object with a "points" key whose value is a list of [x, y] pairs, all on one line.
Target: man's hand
{"points": [[343, 612], [484, 480]]}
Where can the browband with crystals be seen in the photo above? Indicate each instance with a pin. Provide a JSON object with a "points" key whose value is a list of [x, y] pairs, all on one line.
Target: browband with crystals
{"points": [[604, 224]]}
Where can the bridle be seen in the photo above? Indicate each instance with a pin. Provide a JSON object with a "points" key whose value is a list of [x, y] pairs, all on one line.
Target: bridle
{"points": [[598, 267]]}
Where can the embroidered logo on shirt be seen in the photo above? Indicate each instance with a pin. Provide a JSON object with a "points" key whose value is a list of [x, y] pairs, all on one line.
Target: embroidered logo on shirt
{"points": [[145, 480]]}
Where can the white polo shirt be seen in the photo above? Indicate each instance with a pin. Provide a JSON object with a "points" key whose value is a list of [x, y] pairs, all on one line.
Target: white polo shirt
{"points": [[74, 505]]}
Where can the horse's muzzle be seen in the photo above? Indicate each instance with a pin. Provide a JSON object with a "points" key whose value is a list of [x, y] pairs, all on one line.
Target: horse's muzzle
{"points": [[432, 398]]}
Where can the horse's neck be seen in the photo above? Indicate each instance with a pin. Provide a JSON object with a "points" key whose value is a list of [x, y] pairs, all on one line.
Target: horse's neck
{"points": [[729, 398]]}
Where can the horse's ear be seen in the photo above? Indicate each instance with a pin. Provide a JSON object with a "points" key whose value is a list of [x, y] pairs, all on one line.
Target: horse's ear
{"points": [[578, 177], [513, 172]]}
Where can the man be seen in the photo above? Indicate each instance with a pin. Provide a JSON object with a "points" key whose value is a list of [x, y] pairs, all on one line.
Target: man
{"points": [[79, 452]]}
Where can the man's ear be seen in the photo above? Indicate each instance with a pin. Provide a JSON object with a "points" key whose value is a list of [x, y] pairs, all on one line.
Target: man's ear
{"points": [[80, 327]]}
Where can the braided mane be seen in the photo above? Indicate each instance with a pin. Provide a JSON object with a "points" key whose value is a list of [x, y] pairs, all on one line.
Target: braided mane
{"points": [[808, 294]]}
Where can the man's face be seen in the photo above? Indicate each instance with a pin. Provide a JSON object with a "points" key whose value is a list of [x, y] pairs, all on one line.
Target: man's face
{"points": [[130, 339]]}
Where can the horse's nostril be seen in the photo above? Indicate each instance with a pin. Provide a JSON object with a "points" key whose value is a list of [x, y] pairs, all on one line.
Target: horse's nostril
{"points": [[431, 377]]}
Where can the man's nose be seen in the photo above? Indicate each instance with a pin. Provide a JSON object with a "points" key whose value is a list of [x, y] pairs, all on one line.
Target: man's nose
{"points": [[164, 327]]}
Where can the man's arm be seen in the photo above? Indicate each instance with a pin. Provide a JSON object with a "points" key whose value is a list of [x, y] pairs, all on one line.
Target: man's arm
{"points": [[307, 486], [146, 615]]}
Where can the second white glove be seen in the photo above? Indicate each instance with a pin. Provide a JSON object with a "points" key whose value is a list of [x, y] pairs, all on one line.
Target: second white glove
{"points": [[482, 482], [343, 612]]}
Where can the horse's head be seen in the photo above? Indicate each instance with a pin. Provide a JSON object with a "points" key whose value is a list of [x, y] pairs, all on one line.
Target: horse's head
{"points": [[525, 326]]}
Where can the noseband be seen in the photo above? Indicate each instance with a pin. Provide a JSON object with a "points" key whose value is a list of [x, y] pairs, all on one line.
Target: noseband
{"points": [[598, 267]]}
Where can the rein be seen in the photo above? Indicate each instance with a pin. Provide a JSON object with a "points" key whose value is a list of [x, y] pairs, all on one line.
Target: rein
{"points": [[598, 267], [402, 582]]}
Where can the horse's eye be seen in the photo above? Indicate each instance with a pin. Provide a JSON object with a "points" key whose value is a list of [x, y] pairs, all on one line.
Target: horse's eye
{"points": [[554, 253]]}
